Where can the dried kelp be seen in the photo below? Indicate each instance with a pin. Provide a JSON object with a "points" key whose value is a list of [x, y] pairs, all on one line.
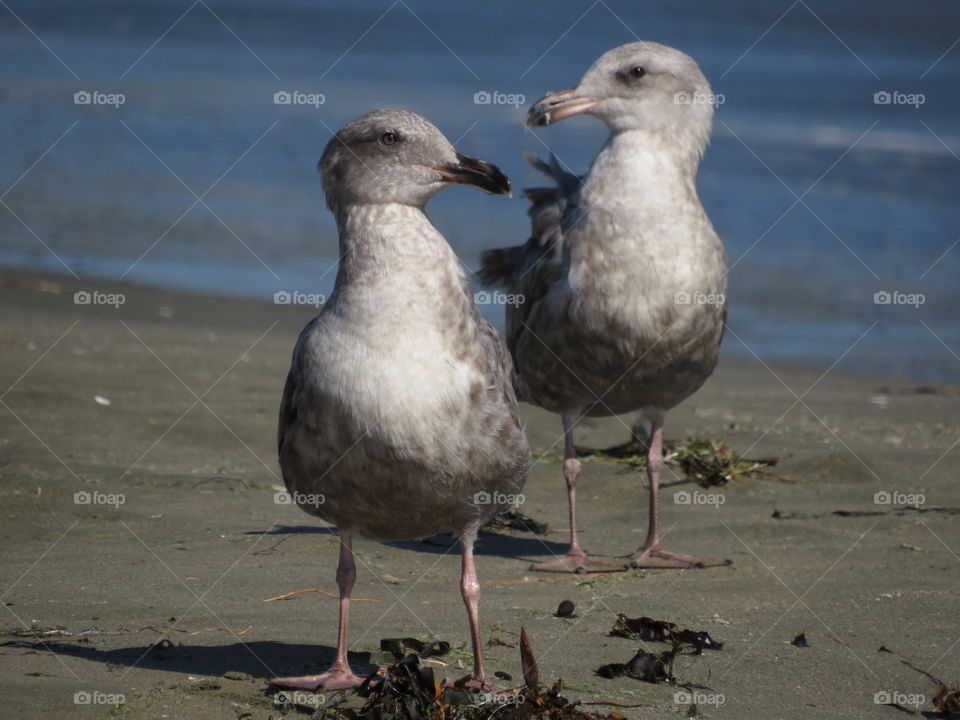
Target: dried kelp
{"points": [[396, 647], [651, 667], [650, 630], [409, 690], [947, 701], [643, 666], [513, 519], [708, 462]]}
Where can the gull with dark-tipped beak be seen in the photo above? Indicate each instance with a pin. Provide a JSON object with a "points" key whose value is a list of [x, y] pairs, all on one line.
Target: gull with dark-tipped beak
{"points": [[622, 283], [399, 418]]}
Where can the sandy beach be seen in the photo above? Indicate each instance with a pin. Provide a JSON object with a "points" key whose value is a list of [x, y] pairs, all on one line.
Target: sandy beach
{"points": [[141, 535]]}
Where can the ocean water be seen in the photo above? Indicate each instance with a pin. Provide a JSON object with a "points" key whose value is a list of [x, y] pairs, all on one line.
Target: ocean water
{"points": [[824, 193]]}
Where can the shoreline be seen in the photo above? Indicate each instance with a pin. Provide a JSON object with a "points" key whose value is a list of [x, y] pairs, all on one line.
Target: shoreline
{"points": [[167, 277]]}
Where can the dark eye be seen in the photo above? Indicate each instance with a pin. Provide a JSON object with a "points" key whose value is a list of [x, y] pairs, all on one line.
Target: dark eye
{"points": [[636, 72], [389, 138]]}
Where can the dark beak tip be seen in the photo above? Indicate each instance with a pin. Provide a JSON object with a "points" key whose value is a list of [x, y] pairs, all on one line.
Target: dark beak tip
{"points": [[535, 118], [478, 174]]}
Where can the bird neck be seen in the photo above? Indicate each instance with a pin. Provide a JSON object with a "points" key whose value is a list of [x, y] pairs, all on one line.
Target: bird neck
{"points": [[644, 179], [388, 233], [397, 274], [390, 248]]}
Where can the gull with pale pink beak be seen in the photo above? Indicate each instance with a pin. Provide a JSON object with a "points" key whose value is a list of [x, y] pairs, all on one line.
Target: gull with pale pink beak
{"points": [[623, 279]]}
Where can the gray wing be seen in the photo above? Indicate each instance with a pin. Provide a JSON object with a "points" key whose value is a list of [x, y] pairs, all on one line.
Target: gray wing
{"points": [[289, 401], [502, 365], [528, 271]]}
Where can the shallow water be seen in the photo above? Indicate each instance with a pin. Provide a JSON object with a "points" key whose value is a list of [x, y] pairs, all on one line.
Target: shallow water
{"points": [[116, 196]]}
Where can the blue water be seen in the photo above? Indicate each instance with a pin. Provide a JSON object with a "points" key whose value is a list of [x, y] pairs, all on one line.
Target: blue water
{"points": [[798, 111]]}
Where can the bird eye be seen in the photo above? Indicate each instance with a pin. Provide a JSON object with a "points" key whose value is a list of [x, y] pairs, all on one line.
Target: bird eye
{"points": [[637, 72], [389, 138]]}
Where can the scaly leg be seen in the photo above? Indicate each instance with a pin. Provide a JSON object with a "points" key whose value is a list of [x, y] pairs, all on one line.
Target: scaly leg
{"points": [[339, 676], [652, 555], [470, 590], [576, 560]]}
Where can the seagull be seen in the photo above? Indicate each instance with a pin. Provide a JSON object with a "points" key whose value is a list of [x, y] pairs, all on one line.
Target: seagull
{"points": [[621, 287], [399, 417]]}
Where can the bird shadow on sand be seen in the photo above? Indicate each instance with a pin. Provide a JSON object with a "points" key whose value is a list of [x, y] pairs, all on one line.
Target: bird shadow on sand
{"points": [[526, 548], [296, 530], [259, 659]]}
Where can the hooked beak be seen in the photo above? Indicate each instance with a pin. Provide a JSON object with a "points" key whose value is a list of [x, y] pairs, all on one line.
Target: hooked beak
{"points": [[556, 106], [475, 173]]}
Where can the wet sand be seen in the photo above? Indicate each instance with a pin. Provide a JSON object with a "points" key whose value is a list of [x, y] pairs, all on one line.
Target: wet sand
{"points": [[150, 583]]}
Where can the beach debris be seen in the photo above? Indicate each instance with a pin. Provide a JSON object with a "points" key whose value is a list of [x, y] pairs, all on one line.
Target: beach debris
{"points": [[800, 641], [779, 515], [101, 400], [947, 701], [513, 519], [643, 666], [409, 690], [525, 580], [423, 648], [565, 609], [531, 671], [649, 630], [289, 595], [651, 667], [236, 675], [708, 462], [222, 629]]}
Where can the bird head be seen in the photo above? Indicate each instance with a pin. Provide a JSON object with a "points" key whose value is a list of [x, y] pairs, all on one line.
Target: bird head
{"points": [[640, 86], [395, 156]]}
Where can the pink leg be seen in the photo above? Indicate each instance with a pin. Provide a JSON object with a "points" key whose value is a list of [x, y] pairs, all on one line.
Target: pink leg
{"points": [[576, 560], [470, 590], [339, 676], [652, 555]]}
